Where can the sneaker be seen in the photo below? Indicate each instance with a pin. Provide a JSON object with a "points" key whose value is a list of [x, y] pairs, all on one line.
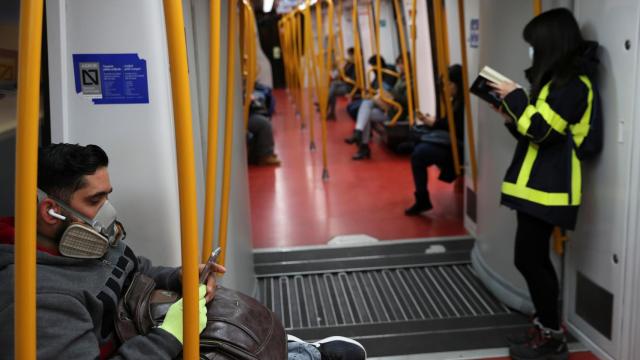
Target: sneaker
{"points": [[270, 160], [549, 345], [529, 335], [341, 348], [336, 348]]}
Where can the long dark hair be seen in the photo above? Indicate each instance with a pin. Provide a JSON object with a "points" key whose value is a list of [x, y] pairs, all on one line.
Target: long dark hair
{"points": [[556, 41], [455, 76]]}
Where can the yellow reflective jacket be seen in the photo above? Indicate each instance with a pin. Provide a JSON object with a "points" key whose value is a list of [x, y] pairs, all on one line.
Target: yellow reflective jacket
{"points": [[544, 178]]}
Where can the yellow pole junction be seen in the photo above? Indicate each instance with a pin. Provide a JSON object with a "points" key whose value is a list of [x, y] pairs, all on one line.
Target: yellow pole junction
{"points": [[228, 128], [405, 60], [467, 98], [28, 112], [212, 130], [441, 23], [186, 170]]}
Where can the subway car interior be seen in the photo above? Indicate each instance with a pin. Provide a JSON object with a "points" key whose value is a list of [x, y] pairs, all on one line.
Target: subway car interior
{"points": [[349, 159]]}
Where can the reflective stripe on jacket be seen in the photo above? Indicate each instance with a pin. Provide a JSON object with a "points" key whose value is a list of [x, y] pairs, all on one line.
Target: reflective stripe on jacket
{"points": [[544, 178]]}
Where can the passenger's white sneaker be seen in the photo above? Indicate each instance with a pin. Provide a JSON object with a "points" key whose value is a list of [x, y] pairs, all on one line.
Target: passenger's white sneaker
{"points": [[337, 348]]}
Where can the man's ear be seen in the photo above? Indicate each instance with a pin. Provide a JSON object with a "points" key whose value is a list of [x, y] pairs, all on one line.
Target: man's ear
{"points": [[43, 211]]}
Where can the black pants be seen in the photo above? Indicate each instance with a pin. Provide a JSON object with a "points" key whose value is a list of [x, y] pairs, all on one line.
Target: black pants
{"points": [[261, 144], [533, 261], [424, 155]]}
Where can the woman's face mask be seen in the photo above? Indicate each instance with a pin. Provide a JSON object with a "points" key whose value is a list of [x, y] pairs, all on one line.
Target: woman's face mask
{"points": [[531, 53]]}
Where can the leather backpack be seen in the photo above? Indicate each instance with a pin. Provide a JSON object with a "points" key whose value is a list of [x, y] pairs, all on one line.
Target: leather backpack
{"points": [[238, 326]]}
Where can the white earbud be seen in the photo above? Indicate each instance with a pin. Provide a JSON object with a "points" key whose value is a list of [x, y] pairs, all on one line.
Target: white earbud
{"points": [[56, 215]]}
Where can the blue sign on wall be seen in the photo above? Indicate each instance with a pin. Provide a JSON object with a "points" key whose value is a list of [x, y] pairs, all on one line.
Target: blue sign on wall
{"points": [[111, 78]]}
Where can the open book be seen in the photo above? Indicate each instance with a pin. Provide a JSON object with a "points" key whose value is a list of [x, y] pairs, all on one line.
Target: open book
{"points": [[482, 89]]}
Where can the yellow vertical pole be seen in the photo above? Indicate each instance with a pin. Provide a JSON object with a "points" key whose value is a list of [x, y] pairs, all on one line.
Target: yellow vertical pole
{"points": [[414, 52], [467, 99], [28, 111], [309, 62], [360, 73], [228, 128], [405, 60], [301, 67], [377, 47], [186, 170], [442, 22], [537, 7], [212, 136], [372, 26]]}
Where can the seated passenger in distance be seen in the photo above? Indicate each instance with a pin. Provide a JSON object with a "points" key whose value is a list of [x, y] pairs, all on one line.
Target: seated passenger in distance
{"points": [[388, 81], [339, 87], [379, 111], [260, 142], [77, 296], [434, 145]]}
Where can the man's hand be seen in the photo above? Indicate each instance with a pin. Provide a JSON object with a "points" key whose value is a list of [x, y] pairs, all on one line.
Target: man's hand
{"points": [[211, 280], [173, 320]]}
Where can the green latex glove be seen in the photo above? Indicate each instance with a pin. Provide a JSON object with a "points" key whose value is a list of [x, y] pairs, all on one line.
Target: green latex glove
{"points": [[173, 320]]}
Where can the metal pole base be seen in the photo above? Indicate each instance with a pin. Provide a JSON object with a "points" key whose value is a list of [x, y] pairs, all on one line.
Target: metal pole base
{"points": [[325, 175], [312, 146], [303, 126]]}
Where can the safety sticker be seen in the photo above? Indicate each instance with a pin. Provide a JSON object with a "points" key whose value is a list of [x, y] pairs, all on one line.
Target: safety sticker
{"points": [[111, 78]]}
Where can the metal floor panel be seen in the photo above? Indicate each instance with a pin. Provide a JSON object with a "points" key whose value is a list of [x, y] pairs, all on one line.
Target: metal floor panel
{"points": [[395, 299]]}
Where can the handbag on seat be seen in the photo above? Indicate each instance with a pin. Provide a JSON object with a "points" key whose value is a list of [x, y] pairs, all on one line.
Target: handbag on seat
{"points": [[238, 326]]}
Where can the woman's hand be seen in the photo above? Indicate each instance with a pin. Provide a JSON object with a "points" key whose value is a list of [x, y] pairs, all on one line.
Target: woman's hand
{"points": [[211, 280], [504, 88], [505, 116]]}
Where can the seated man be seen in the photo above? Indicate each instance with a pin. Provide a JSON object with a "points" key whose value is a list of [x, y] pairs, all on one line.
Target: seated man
{"points": [[82, 292], [339, 87], [260, 145], [77, 294], [379, 111]]}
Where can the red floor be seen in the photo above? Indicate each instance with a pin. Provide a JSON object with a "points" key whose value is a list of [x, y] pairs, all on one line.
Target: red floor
{"points": [[292, 206]]}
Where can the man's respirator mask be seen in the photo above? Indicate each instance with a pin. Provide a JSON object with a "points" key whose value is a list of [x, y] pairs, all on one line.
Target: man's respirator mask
{"points": [[91, 238]]}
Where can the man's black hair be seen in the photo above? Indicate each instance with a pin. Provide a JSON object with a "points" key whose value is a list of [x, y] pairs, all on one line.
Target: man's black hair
{"points": [[351, 51], [62, 167]]}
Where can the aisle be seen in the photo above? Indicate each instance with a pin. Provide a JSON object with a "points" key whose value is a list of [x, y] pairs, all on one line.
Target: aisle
{"points": [[292, 206]]}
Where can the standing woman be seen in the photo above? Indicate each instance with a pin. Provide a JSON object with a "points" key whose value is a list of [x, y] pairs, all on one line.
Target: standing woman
{"points": [[543, 182]]}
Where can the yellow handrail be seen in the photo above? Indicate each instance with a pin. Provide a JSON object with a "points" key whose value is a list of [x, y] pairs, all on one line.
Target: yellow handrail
{"points": [[414, 52], [186, 170], [405, 61], [28, 112], [360, 81], [228, 127], [212, 129], [537, 7], [323, 79], [441, 23], [467, 98], [311, 80], [249, 56], [380, 70]]}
